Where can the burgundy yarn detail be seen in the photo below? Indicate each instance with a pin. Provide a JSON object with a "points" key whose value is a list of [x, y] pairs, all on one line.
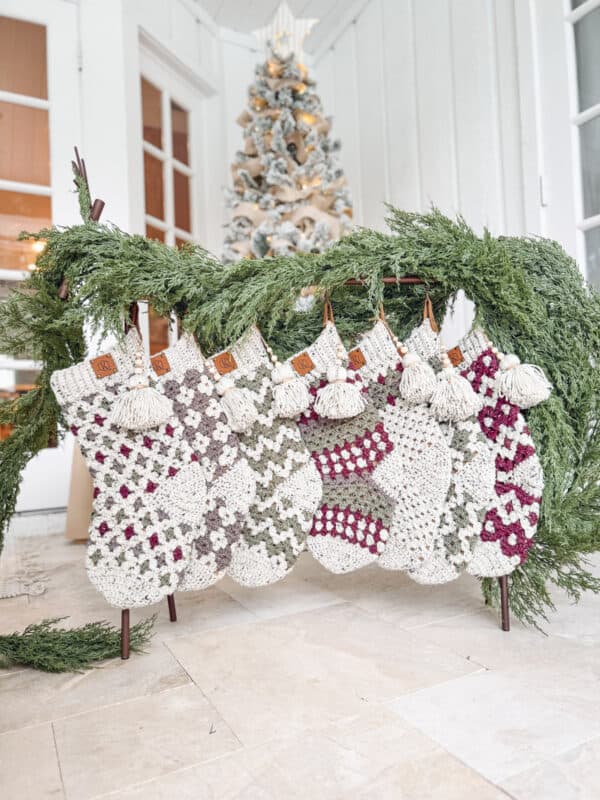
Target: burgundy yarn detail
{"points": [[354, 458], [350, 525]]}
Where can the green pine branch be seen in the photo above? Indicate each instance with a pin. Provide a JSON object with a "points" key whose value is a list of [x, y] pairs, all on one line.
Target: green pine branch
{"points": [[46, 647], [529, 296]]}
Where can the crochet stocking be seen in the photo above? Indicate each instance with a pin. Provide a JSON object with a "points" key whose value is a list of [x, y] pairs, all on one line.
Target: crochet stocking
{"points": [[217, 486], [138, 547], [288, 485], [417, 472], [510, 521], [350, 527], [471, 487]]}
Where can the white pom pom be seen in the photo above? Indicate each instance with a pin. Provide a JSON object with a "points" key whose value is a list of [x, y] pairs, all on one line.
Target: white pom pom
{"points": [[453, 398], [336, 373], [525, 385], [237, 404], [290, 393], [339, 399], [283, 372], [417, 382], [140, 408]]}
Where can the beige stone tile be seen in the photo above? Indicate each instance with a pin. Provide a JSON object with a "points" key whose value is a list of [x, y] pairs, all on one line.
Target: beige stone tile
{"points": [[393, 596], [372, 755], [578, 621], [103, 750], [28, 696], [12, 609], [29, 766], [477, 637], [292, 595], [279, 677], [224, 778], [502, 723], [574, 775], [196, 611]]}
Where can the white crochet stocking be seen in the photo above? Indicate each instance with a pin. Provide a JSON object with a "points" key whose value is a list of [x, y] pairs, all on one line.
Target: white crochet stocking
{"points": [[288, 485], [417, 472]]}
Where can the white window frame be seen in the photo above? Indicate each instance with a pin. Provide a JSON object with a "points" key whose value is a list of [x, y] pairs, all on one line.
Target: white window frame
{"points": [[165, 74], [578, 118], [45, 482]]}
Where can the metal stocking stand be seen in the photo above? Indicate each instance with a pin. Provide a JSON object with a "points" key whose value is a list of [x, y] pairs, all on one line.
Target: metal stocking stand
{"points": [[96, 209], [503, 581]]}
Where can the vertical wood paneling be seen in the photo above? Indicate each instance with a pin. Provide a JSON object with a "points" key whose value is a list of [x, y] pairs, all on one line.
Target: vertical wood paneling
{"points": [[475, 99], [435, 104], [346, 116], [372, 114], [508, 116], [238, 74], [401, 104], [325, 77]]}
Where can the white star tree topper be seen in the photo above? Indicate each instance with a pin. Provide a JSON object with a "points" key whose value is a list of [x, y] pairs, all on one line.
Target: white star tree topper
{"points": [[285, 31]]}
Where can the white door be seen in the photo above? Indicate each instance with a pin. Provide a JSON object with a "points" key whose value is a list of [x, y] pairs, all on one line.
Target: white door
{"points": [[39, 124]]}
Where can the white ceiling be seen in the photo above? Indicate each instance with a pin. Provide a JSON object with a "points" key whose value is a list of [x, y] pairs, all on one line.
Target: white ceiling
{"points": [[248, 15]]}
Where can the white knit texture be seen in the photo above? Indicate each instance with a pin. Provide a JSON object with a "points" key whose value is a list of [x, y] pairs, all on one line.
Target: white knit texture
{"points": [[417, 473]]}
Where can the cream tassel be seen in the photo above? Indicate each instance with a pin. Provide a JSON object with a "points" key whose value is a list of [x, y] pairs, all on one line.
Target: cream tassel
{"points": [[453, 398], [239, 409], [525, 385], [290, 393], [339, 399], [141, 407], [418, 381]]}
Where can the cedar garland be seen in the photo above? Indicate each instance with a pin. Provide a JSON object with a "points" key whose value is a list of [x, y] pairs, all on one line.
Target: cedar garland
{"points": [[530, 298]]}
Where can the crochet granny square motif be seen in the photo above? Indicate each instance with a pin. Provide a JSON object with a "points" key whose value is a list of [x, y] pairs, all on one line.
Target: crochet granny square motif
{"points": [[138, 548], [288, 487], [209, 457], [351, 526], [417, 472], [510, 521]]}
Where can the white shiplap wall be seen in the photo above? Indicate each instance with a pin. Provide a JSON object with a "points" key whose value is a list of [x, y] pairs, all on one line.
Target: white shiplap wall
{"points": [[443, 102], [458, 103]]}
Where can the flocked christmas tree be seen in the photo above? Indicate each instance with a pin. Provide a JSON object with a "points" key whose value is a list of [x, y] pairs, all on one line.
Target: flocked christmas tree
{"points": [[289, 191]]}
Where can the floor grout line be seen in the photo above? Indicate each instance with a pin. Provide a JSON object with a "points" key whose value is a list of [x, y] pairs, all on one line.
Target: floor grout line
{"points": [[58, 761]]}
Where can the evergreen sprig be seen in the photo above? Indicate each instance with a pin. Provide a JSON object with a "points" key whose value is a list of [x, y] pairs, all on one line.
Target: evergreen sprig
{"points": [[529, 297], [46, 647]]}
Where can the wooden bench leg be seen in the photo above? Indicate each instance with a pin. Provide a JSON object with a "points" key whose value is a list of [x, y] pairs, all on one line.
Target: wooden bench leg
{"points": [[172, 607], [503, 581], [125, 633]]}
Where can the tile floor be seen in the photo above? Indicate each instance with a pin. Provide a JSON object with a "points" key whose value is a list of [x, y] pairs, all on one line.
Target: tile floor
{"points": [[322, 686]]}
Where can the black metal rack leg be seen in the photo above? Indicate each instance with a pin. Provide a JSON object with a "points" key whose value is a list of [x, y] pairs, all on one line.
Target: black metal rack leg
{"points": [[172, 607], [503, 581], [125, 633]]}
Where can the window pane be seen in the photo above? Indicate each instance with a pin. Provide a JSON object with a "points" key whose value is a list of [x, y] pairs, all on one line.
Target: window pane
{"points": [[592, 249], [20, 212], [153, 186], [23, 58], [179, 242], [587, 44], [24, 148], [181, 194], [159, 331], [154, 233], [179, 126], [589, 139], [151, 113]]}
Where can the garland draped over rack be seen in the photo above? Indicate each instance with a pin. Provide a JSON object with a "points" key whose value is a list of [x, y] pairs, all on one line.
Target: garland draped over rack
{"points": [[530, 298]]}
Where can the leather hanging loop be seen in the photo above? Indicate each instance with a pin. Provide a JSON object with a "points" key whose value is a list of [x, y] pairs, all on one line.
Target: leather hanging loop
{"points": [[327, 311], [134, 319], [428, 314]]}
